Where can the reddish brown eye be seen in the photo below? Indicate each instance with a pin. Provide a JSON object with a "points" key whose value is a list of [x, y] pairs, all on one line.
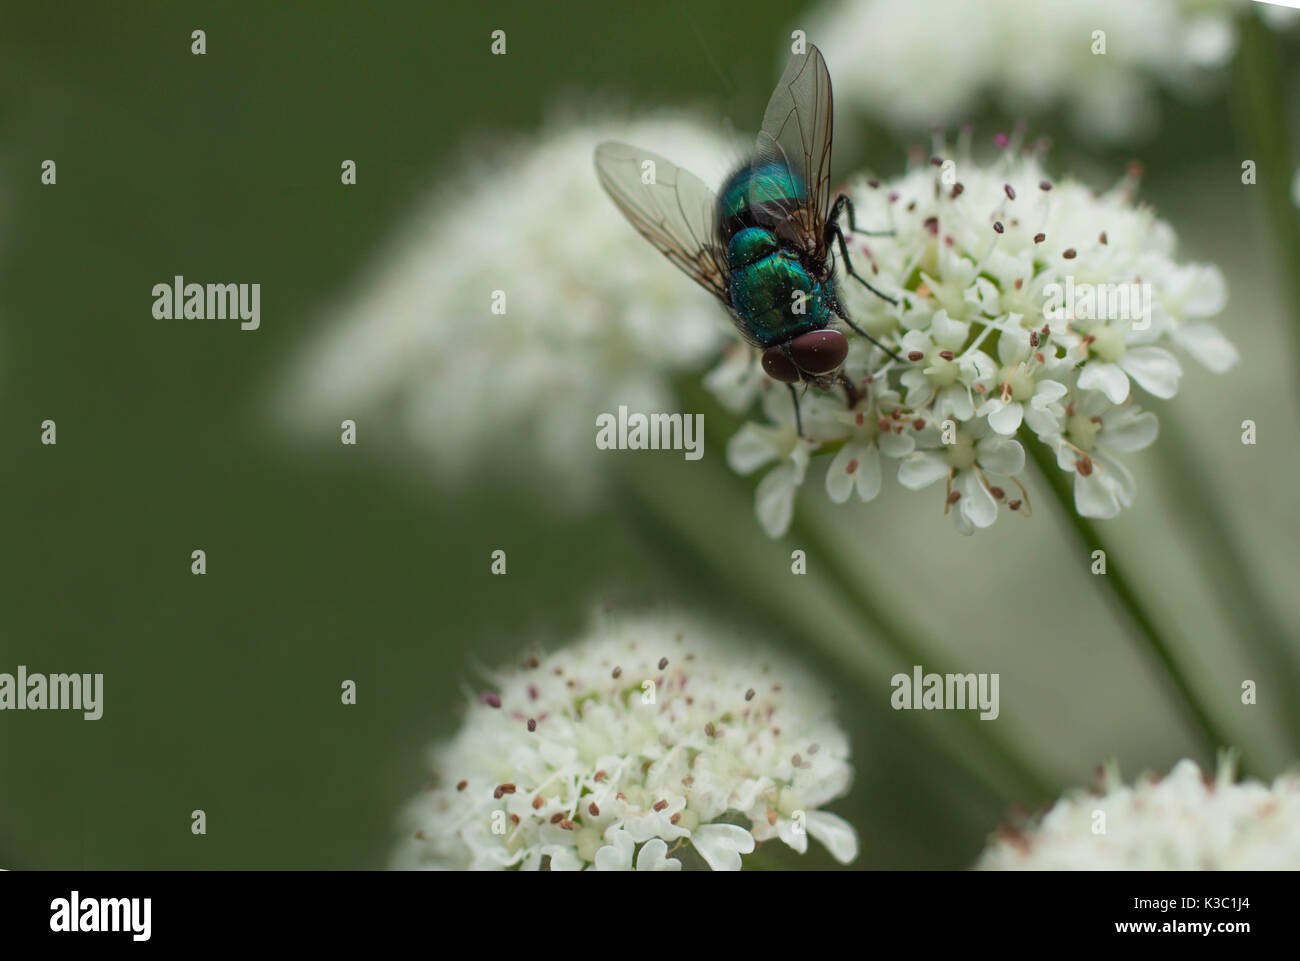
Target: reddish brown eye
{"points": [[779, 366], [819, 351]]}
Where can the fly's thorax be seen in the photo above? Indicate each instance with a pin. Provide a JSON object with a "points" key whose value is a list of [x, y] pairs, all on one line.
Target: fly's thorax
{"points": [[759, 194]]}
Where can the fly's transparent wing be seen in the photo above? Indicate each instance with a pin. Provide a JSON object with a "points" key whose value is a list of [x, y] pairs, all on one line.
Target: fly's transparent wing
{"points": [[797, 129], [670, 207]]}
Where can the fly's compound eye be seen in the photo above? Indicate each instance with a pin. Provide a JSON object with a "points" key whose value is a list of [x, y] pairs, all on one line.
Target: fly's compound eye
{"points": [[819, 351], [779, 367]]}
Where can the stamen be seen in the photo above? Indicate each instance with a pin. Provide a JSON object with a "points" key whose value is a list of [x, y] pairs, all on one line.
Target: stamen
{"points": [[1015, 505]]}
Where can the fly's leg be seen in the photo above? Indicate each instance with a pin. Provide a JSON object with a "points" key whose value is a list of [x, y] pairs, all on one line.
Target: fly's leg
{"points": [[844, 314], [843, 203], [833, 233], [794, 399], [851, 394]]}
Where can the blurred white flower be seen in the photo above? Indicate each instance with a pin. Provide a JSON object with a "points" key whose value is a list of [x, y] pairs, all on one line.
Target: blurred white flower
{"points": [[648, 735], [1076, 294], [591, 320], [1183, 822], [1027, 57]]}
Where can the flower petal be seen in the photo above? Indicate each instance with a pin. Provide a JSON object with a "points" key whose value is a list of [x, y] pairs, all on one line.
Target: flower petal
{"points": [[750, 448], [868, 474], [652, 857], [1093, 497], [1005, 418], [617, 854], [1047, 392], [1000, 455], [839, 478], [977, 504], [1129, 433], [922, 469], [774, 499], [1105, 377], [1207, 346], [795, 837], [1207, 291], [836, 835], [1155, 369], [721, 845]]}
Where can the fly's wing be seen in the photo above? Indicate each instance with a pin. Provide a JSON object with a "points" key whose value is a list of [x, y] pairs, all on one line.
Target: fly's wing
{"points": [[675, 211], [797, 130]]}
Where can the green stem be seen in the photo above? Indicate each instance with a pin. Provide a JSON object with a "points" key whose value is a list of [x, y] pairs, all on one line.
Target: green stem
{"points": [[1146, 635], [874, 610], [1261, 89], [1228, 571]]}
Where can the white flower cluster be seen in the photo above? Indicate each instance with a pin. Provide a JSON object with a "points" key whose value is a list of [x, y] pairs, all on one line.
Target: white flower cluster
{"points": [[1022, 301], [516, 307], [1186, 821], [646, 737], [1098, 61]]}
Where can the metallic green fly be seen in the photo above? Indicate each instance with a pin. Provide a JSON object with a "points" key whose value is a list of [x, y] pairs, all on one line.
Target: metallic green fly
{"points": [[764, 244]]}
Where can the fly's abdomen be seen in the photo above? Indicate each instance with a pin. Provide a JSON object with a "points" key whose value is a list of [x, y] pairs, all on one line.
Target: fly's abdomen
{"points": [[771, 292]]}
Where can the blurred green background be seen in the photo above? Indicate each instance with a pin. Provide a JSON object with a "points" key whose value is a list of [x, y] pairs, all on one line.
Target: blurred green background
{"points": [[222, 691]]}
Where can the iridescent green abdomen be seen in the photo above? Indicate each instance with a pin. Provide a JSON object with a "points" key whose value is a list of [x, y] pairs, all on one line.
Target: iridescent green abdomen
{"points": [[771, 291]]}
